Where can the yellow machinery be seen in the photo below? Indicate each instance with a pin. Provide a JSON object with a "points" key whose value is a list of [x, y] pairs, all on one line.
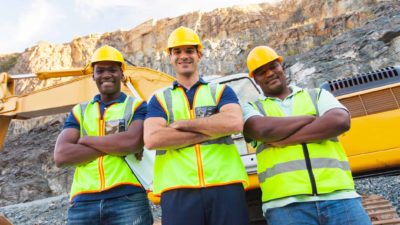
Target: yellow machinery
{"points": [[373, 99], [60, 98]]}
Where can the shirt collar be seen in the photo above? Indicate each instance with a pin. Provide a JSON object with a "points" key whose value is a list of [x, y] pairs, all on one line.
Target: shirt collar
{"points": [[120, 99], [294, 90], [200, 81]]}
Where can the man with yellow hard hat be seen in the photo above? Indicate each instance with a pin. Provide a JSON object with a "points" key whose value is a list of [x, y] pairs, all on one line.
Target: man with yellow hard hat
{"points": [[303, 171], [95, 138], [198, 171]]}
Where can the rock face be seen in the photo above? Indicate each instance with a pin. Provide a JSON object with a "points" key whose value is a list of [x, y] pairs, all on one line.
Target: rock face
{"points": [[228, 35], [320, 40], [26, 164]]}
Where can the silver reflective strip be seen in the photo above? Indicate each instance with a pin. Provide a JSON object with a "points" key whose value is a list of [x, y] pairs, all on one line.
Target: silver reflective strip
{"points": [[295, 165], [314, 98], [260, 108], [221, 141], [83, 109], [168, 101], [161, 152], [313, 95], [213, 89], [128, 111], [260, 148]]}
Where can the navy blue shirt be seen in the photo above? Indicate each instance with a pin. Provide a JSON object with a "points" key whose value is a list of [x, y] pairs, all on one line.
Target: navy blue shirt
{"points": [[140, 112], [71, 122], [154, 109]]}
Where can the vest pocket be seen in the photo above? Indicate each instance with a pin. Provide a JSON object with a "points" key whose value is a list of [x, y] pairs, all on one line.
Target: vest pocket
{"points": [[205, 111]]}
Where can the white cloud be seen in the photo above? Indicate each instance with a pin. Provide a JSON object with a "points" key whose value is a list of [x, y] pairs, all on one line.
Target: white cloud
{"points": [[34, 21], [39, 19], [89, 9]]}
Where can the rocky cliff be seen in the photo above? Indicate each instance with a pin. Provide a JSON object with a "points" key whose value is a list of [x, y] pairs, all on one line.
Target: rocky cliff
{"points": [[320, 40], [292, 27]]}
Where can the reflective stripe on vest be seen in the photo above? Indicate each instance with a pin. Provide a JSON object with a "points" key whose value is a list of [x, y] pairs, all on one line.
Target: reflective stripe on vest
{"points": [[211, 163], [99, 175], [310, 169]]}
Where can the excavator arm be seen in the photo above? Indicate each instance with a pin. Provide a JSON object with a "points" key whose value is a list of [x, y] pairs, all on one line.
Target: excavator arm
{"points": [[59, 98]]}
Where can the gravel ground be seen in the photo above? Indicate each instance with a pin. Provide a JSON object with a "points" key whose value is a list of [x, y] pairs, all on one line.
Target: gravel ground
{"points": [[385, 186], [53, 211]]}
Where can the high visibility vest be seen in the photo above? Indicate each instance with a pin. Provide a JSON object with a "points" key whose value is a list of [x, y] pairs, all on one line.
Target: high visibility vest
{"points": [[211, 163], [303, 169], [107, 171]]}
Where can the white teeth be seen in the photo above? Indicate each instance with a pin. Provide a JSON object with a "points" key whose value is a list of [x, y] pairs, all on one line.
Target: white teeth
{"points": [[107, 82]]}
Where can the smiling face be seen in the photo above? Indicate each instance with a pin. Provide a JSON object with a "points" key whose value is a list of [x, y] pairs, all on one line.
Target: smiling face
{"points": [[108, 75], [271, 78], [185, 60]]}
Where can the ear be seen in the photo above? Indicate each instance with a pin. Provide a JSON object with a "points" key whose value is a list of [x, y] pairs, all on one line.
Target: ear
{"points": [[123, 78], [199, 54], [93, 76]]}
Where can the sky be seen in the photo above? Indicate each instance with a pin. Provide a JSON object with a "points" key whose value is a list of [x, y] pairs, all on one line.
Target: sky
{"points": [[24, 23]]}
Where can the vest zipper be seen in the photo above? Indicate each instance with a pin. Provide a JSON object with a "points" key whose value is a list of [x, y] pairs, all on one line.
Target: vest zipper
{"points": [[100, 160], [309, 169], [200, 170]]}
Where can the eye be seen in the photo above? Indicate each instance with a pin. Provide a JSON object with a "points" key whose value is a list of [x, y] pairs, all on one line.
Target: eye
{"points": [[190, 51], [259, 72], [176, 51], [100, 71]]}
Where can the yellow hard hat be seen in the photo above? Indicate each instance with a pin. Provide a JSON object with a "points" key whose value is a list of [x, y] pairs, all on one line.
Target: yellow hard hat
{"points": [[108, 53], [260, 56], [183, 36]]}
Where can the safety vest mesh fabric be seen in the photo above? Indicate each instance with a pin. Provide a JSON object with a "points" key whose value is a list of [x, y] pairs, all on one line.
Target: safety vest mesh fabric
{"points": [[211, 163], [107, 171], [303, 169]]}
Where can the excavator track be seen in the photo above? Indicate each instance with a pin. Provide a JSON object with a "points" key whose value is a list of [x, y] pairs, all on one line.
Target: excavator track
{"points": [[380, 210]]}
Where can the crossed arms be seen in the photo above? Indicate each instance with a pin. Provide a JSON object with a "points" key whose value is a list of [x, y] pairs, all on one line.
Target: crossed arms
{"points": [[281, 131], [71, 149], [159, 135]]}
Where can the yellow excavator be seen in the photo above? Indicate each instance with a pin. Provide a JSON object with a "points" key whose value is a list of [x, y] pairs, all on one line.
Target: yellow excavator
{"points": [[373, 100]]}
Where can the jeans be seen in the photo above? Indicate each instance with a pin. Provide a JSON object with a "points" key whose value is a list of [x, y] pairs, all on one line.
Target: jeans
{"points": [[333, 212], [130, 209]]}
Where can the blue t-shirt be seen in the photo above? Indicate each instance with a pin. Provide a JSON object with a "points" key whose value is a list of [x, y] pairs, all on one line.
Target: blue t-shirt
{"points": [[140, 112], [71, 122], [154, 109]]}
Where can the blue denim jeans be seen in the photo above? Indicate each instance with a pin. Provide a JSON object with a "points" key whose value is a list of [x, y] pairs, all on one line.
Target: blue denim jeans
{"points": [[129, 209], [333, 212]]}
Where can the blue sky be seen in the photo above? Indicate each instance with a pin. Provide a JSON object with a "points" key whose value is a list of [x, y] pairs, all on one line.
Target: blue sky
{"points": [[24, 23]]}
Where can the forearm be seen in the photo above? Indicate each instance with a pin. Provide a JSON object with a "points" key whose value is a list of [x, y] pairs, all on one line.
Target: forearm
{"points": [[75, 154], [167, 138], [321, 129], [270, 129], [114, 144]]}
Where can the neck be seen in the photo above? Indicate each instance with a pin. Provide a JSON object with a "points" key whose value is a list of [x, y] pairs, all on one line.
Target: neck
{"points": [[282, 95], [108, 98], [187, 81]]}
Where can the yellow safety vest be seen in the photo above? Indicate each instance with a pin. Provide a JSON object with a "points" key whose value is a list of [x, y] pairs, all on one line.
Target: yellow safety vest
{"points": [[302, 169], [211, 163], [107, 171]]}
